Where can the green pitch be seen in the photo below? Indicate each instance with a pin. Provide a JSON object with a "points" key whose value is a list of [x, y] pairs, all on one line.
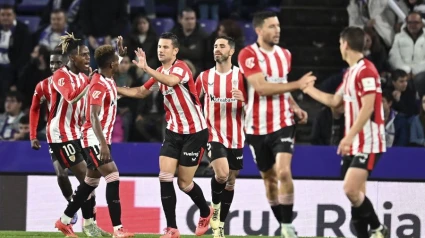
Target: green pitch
{"points": [[13, 234]]}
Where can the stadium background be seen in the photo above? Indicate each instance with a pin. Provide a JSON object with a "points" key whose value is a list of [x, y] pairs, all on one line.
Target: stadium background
{"points": [[31, 200]]}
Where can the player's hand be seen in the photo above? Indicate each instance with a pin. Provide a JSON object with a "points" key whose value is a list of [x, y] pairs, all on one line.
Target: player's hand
{"points": [[304, 81], [238, 95], [122, 51], [345, 146], [141, 62], [307, 87], [35, 144], [302, 115], [105, 154]]}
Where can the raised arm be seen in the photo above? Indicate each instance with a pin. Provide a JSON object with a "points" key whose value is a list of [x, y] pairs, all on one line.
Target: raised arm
{"points": [[63, 84], [138, 92], [330, 100]]}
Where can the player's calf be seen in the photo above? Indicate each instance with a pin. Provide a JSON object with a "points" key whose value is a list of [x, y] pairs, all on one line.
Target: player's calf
{"points": [[218, 183]]}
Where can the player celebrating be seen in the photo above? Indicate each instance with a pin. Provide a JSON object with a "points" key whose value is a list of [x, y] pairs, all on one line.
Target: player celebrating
{"points": [[269, 121], [224, 91], [364, 140], [65, 89], [41, 95], [97, 134], [186, 135]]}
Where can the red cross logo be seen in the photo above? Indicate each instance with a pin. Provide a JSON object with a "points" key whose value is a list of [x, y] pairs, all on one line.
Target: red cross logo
{"points": [[135, 219]]}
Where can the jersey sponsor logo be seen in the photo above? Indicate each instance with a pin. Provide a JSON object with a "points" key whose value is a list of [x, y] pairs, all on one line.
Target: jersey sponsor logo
{"points": [[61, 82], [288, 139], [178, 70], [239, 157], [96, 94], [249, 63], [275, 80], [168, 91], [369, 84], [222, 100]]}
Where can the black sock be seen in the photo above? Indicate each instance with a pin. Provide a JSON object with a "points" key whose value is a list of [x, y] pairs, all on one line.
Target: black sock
{"points": [[114, 203], [216, 190], [81, 195], [367, 211], [359, 224], [287, 213], [226, 202], [277, 212], [169, 200], [198, 198], [93, 206], [86, 209]]}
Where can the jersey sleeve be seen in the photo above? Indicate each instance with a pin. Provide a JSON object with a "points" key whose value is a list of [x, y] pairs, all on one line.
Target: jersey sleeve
{"points": [[97, 94], [367, 81], [151, 85], [37, 99], [63, 84], [248, 62], [182, 71], [242, 86], [198, 84]]}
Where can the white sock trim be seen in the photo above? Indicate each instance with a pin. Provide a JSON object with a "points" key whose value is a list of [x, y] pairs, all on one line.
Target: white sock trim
{"points": [[116, 228], [66, 219], [87, 222]]}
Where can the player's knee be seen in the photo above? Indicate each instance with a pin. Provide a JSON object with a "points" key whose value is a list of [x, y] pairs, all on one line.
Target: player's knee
{"points": [[62, 176], [166, 177], [221, 177], [284, 174], [351, 193]]}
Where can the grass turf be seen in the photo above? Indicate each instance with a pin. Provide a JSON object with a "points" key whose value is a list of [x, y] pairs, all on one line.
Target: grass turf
{"points": [[11, 234]]}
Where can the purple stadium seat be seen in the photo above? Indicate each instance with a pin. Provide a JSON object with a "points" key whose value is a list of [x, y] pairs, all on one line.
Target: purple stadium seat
{"points": [[31, 21], [8, 2], [136, 3], [208, 25], [249, 32], [162, 25], [32, 5]]}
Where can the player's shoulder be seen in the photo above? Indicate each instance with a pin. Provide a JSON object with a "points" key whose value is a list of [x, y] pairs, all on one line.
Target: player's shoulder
{"points": [[180, 68], [368, 69], [284, 50], [97, 81], [247, 51], [60, 73]]}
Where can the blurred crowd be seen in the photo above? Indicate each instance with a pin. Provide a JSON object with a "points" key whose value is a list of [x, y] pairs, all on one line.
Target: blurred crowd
{"points": [[395, 42]]}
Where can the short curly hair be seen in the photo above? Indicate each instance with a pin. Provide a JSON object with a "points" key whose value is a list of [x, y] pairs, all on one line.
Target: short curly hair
{"points": [[104, 55]]}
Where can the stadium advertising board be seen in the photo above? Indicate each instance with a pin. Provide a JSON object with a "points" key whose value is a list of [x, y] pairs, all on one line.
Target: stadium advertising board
{"points": [[321, 207]]}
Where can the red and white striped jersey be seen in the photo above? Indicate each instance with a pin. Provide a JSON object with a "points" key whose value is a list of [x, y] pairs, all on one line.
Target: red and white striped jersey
{"points": [[359, 80], [66, 111], [266, 114], [102, 92], [41, 94], [225, 115], [181, 102]]}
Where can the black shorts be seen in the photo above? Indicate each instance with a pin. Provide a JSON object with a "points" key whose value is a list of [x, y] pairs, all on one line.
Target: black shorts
{"points": [[234, 156], [68, 153], [264, 148], [362, 161], [188, 149], [93, 157]]}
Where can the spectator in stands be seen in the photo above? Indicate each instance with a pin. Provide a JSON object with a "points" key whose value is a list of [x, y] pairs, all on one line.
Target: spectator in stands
{"points": [[404, 93], [102, 24], [192, 39], [375, 14], [374, 50], [328, 128], [37, 69], [24, 129], [408, 50], [208, 9], [396, 124], [9, 121], [417, 126], [142, 35], [229, 28], [15, 47], [51, 35], [407, 6], [52, 6]]}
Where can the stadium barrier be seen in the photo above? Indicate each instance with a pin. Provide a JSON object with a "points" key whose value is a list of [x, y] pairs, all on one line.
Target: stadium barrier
{"points": [[34, 202]]}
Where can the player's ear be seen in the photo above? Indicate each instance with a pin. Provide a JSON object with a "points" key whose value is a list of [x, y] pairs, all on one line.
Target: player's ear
{"points": [[232, 51], [176, 51]]}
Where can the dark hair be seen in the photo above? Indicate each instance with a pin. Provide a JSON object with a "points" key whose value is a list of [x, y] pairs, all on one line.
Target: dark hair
{"points": [[25, 119], [15, 94], [232, 29], [186, 9], [259, 17], [398, 73], [7, 6], [413, 13], [44, 52], [230, 40], [387, 94], [56, 51], [355, 38], [58, 11], [135, 23], [170, 36], [70, 43], [104, 55]]}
